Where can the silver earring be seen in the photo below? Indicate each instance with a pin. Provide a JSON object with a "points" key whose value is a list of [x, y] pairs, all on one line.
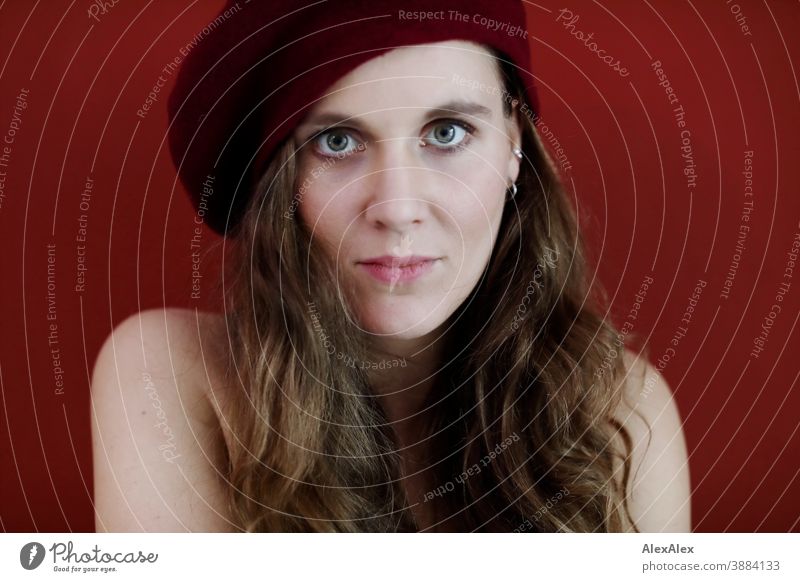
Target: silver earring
{"points": [[513, 190], [518, 153]]}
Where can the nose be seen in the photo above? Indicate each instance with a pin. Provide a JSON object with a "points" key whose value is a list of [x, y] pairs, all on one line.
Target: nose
{"points": [[398, 187]]}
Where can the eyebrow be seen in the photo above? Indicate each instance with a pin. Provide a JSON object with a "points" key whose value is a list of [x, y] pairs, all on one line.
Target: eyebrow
{"points": [[466, 108]]}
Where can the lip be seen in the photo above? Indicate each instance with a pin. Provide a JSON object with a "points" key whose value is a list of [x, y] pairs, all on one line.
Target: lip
{"points": [[395, 270], [392, 261]]}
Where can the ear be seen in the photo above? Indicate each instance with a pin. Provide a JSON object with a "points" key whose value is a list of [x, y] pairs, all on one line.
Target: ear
{"points": [[514, 133]]}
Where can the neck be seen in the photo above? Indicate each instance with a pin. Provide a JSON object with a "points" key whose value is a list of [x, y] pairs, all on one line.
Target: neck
{"points": [[402, 389]]}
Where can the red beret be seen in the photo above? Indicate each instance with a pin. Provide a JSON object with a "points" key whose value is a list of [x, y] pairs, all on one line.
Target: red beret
{"points": [[255, 70]]}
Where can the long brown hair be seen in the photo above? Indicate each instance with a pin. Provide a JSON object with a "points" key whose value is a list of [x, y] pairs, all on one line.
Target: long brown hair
{"points": [[523, 416]]}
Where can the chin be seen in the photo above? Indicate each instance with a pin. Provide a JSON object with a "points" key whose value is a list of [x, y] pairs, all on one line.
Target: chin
{"points": [[399, 321]]}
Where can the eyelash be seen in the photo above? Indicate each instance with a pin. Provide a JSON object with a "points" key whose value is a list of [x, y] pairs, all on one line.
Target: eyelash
{"points": [[444, 150]]}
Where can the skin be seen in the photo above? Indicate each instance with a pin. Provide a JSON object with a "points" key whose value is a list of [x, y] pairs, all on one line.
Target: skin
{"points": [[371, 189], [390, 197], [137, 489], [397, 159]]}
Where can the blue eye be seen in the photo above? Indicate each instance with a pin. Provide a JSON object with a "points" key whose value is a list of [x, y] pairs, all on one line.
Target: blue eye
{"points": [[445, 135], [448, 134], [335, 143]]}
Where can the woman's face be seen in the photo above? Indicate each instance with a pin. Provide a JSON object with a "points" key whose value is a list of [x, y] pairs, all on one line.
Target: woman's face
{"points": [[403, 171]]}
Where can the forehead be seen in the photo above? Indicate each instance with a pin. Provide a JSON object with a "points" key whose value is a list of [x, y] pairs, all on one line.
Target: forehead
{"points": [[418, 76]]}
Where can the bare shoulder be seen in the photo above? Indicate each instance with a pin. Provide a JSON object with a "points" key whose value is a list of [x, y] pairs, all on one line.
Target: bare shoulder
{"points": [[158, 446], [659, 486]]}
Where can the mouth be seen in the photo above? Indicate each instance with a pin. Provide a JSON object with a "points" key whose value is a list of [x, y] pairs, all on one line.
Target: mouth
{"points": [[398, 269], [395, 261]]}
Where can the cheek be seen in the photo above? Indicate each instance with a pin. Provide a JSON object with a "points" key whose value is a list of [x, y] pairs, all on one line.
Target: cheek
{"points": [[480, 203], [483, 172], [323, 208], [310, 210], [478, 215]]}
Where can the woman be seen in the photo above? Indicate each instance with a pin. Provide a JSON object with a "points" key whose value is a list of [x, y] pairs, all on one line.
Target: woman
{"points": [[410, 342]]}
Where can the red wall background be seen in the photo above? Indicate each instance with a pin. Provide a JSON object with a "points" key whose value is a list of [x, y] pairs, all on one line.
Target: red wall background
{"points": [[87, 77]]}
